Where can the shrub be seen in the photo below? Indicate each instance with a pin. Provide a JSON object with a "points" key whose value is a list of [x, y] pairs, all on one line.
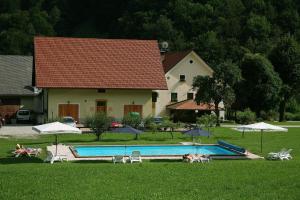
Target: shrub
{"points": [[207, 120], [292, 117], [245, 117], [147, 121], [132, 120], [271, 115], [99, 123]]}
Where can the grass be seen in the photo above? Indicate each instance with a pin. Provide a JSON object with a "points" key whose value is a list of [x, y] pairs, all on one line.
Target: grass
{"points": [[29, 178], [290, 123]]}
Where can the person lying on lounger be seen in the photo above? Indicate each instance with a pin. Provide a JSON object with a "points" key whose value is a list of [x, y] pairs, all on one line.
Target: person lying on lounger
{"points": [[187, 157], [21, 151]]}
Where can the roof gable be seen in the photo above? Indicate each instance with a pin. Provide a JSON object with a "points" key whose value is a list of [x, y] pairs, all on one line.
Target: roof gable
{"points": [[98, 63], [173, 58], [170, 59]]}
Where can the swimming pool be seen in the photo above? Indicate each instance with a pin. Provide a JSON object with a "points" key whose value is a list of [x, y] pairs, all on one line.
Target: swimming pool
{"points": [[151, 150]]}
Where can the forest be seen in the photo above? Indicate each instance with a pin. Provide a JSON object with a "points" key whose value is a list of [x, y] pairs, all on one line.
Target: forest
{"points": [[252, 45]]}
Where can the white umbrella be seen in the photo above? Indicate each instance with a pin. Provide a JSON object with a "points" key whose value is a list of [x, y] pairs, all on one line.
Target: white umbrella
{"points": [[262, 126], [56, 128]]}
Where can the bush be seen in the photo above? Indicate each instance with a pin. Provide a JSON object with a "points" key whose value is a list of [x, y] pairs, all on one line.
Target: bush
{"points": [[271, 115], [132, 120], [207, 120], [99, 123], [147, 121], [292, 117], [245, 117]]}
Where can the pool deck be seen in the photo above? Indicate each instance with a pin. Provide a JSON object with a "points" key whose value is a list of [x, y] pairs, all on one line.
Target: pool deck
{"points": [[64, 150]]}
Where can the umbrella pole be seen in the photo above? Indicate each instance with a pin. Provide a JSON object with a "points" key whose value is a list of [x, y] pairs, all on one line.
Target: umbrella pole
{"points": [[55, 145], [261, 140]]}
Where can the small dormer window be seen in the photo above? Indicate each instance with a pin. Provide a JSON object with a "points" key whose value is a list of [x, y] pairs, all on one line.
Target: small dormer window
{"points": [[182, 77]]}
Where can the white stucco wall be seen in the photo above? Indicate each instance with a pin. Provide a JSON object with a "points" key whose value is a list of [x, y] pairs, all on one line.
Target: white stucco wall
{"points": [[184, 67]]}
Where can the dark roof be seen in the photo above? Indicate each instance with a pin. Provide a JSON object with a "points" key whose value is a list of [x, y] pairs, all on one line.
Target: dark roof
{"points": [[170, 59], [16, 75], [98, 63]]}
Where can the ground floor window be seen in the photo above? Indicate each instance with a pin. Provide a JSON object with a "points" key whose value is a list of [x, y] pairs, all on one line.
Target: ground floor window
{"points": [[101, 106]]}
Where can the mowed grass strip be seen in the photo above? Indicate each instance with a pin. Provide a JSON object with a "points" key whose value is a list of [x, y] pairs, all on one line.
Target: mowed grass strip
{"points": [[29, 178]]}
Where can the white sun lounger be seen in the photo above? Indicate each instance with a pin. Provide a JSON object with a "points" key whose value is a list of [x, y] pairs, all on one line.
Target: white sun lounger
{"points": [[51, 158], [199, 158], [281, 155]]}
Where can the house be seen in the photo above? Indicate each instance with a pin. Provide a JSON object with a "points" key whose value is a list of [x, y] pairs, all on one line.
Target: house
{"points": [[16, 89], [178, 101], [80, 76]]}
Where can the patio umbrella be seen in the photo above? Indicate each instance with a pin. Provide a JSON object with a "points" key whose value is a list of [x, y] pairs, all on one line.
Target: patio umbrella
{"points": [[197, 132], [55, 128], [262, 126], [127, 129]]}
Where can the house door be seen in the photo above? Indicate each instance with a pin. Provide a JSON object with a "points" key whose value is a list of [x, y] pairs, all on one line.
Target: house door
{"points": [[133, 108], [101, 106], [69, 110]]}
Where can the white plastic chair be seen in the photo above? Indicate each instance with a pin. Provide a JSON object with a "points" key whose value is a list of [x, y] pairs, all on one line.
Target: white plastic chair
{"points": [[135, 157], [118, 159]]}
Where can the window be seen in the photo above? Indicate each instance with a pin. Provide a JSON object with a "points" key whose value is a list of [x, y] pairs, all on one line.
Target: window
{"points": [[101, 90], [101, 103], [182, 77], [173, 97], [101, 106], [190, 95], [154, 96]]}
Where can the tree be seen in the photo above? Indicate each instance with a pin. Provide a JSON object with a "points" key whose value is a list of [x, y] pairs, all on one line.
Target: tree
{"points": [[99, 123], [286, 60], [219, 87], [132, 120], [168, 124], [260, 87], [207, 121], [20, 21]]}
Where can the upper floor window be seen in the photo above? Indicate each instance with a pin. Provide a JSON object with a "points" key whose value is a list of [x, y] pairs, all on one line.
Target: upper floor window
{"points": [[190, 95], [182, 77], [174, 97], [154, 96]]}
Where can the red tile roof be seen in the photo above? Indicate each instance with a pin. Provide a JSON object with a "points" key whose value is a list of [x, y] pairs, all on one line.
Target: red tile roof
{"points": [[98, 63], [170, 59], [191, 105]]}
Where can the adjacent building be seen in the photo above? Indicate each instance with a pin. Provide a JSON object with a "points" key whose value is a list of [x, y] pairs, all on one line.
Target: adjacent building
{"points": [[16, 89], [178, 101]]}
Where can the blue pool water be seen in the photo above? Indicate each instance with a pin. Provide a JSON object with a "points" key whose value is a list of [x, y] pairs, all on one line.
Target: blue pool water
{"points": [[158, 150]]}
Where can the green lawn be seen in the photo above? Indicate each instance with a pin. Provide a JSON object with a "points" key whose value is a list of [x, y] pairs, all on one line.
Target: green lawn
{"points": [[26, 178], [290, 123]]}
